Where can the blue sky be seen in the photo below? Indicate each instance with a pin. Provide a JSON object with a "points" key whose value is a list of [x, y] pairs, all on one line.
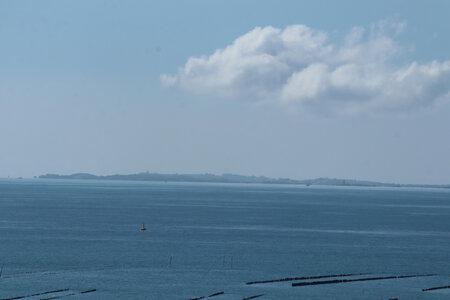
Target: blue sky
{"points": [[342, 89]]}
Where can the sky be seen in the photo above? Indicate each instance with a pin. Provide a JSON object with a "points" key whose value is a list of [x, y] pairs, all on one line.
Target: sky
{"points": [[298, 89]]}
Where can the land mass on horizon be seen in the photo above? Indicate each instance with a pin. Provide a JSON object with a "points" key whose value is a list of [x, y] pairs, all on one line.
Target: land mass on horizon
{"points": [[233, 178]]}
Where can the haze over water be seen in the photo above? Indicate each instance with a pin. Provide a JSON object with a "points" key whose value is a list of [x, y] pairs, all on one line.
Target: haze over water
{"points": [[207, 238]]}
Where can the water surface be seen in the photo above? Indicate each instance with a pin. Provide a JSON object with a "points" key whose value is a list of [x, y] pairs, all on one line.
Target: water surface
{"points": [[206, 238]]}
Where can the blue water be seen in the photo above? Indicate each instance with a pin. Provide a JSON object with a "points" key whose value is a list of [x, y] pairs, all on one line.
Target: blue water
{"points": [[207, 238]]}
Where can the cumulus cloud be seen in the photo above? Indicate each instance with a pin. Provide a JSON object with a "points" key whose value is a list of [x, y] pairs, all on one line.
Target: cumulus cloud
{"points": [[299, 66]]}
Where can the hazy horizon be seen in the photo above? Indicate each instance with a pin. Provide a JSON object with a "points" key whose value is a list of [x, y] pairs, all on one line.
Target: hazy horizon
{"points": [[221, 174], [283, 90]]}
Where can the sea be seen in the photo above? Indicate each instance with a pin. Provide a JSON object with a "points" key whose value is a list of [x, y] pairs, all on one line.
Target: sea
{"points": [[82, 239]]}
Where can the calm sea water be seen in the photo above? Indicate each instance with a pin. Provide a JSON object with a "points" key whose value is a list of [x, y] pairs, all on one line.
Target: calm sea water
{"points": [[207, 238]]}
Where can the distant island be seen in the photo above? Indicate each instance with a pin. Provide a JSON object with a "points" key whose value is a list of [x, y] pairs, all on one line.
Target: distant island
{"points": [[233, 178]]}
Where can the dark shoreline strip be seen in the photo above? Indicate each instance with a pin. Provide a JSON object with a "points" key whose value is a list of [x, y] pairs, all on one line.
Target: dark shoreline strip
{"points": [[436, 288], [73, 294], [306, 278], [253, 297], [212, 295], [56, 297], [216, 294], [38, 294], [356, 280]]}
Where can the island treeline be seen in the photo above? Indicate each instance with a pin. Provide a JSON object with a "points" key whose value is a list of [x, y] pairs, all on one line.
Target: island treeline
{"points": [[233, 178]]}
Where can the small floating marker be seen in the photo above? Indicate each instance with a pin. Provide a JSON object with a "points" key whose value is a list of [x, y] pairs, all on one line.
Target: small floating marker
{"points": [[143, 227]]}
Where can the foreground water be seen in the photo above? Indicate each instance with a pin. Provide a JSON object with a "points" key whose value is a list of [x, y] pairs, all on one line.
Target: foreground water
{"points": [[208, 238]]}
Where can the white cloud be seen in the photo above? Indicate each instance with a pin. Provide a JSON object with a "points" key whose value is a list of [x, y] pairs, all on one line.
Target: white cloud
{"points": [[167, 80], [299, 66]]}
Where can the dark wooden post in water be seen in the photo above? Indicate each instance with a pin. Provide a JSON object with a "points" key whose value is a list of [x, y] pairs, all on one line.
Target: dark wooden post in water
{"points": [[170, 261]]}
